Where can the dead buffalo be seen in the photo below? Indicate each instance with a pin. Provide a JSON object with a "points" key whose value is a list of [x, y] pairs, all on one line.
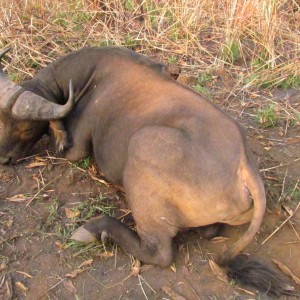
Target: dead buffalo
{"points": [[182, 161]]}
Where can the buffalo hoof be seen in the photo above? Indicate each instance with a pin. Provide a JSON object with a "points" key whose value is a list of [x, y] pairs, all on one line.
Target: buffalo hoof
{"points": [[83, 235]]}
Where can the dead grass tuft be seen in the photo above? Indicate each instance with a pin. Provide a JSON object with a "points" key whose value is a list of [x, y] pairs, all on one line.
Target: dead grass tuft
{"points": [[257, 39]]}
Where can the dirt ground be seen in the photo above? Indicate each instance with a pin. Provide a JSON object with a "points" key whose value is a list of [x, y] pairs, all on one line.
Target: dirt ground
{"points": [[43, 199]]}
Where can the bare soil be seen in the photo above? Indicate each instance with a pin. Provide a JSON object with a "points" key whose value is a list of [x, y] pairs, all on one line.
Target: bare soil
{"points": [[37, 261]]}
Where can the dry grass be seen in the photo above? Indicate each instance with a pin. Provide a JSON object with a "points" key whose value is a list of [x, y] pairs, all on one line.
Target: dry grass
{"points": [[257, 39]]}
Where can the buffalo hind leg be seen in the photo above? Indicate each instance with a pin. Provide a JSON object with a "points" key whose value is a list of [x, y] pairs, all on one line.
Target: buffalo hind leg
{"points": [[105, 227]]}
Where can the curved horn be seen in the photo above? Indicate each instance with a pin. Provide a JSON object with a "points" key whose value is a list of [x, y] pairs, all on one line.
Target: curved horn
{"points": [[30, 106]]}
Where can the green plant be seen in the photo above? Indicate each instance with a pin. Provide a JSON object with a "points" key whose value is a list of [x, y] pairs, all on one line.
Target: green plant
{"points": [[202, 80], [260, 62], [105, 43], [129, 5], [130, 42], [15, 77], [268, 116], [292, 81], [84, 163], [53, 214], [296, 121], [172, 59], [90, 207], [231, 52], [201, 89]]}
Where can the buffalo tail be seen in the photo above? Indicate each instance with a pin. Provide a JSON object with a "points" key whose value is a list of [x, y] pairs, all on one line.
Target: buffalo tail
{"points": [[250, 272]]}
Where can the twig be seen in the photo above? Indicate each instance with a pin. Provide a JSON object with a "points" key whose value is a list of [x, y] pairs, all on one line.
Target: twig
{"points": [[148, 284], [295, 231], [283, 186], [42, 189], [280, 165], [27, 157], [55, 285], [141, 285], [278, 228], [189, 285]]}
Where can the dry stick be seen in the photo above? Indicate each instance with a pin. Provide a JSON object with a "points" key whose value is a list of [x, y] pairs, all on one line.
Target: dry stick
{"points": [[27, 157], [189, 285], [280, 165], [278, 228], [62, 280], [141, 285], [42, 189], [148, 284], [283, 186], [295, 231]]}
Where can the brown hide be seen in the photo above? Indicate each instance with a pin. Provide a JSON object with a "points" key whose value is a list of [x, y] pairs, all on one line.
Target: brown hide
{"points": [[176, 154], [181, 161]]}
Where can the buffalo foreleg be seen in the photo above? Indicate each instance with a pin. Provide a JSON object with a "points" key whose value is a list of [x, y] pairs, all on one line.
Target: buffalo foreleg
{"points": [[102, 228], [62, 141]]}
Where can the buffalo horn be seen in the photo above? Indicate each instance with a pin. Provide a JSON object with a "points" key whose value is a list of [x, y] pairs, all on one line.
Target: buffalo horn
{"points": [[30, 106]]}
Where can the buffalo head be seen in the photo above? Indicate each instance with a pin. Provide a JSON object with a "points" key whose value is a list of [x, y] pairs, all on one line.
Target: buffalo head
{"points": [[24, 116]]}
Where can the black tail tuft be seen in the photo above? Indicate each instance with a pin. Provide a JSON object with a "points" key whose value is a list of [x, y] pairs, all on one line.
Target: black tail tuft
{"points": [[250, 272]]}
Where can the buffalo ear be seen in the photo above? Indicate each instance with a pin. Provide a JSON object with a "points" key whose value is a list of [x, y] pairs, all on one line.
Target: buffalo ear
{"points": [[30, 106]]}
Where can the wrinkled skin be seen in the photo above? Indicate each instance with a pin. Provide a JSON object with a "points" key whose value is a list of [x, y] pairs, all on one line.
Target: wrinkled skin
{"points": [[181, 161]]}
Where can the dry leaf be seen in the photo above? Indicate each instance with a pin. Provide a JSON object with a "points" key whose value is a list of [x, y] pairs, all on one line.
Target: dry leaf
{"points": [[288, 210], [70, 286], [80, 269], [86, 263], [59, 244], [173, 268], [3, 266], [21, 286], [286, 270], [25, 274], [136, 267], [75, 273], [71, 213], [187, 257], [245, 291], [36, 164], [172, 294], [292, 140], [106, 254], [219, 239], [219, 272], [93, 176], [18, 198]]}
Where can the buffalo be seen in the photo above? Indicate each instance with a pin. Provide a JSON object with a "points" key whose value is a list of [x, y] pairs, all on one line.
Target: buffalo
{"points": [[181, 160]]}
